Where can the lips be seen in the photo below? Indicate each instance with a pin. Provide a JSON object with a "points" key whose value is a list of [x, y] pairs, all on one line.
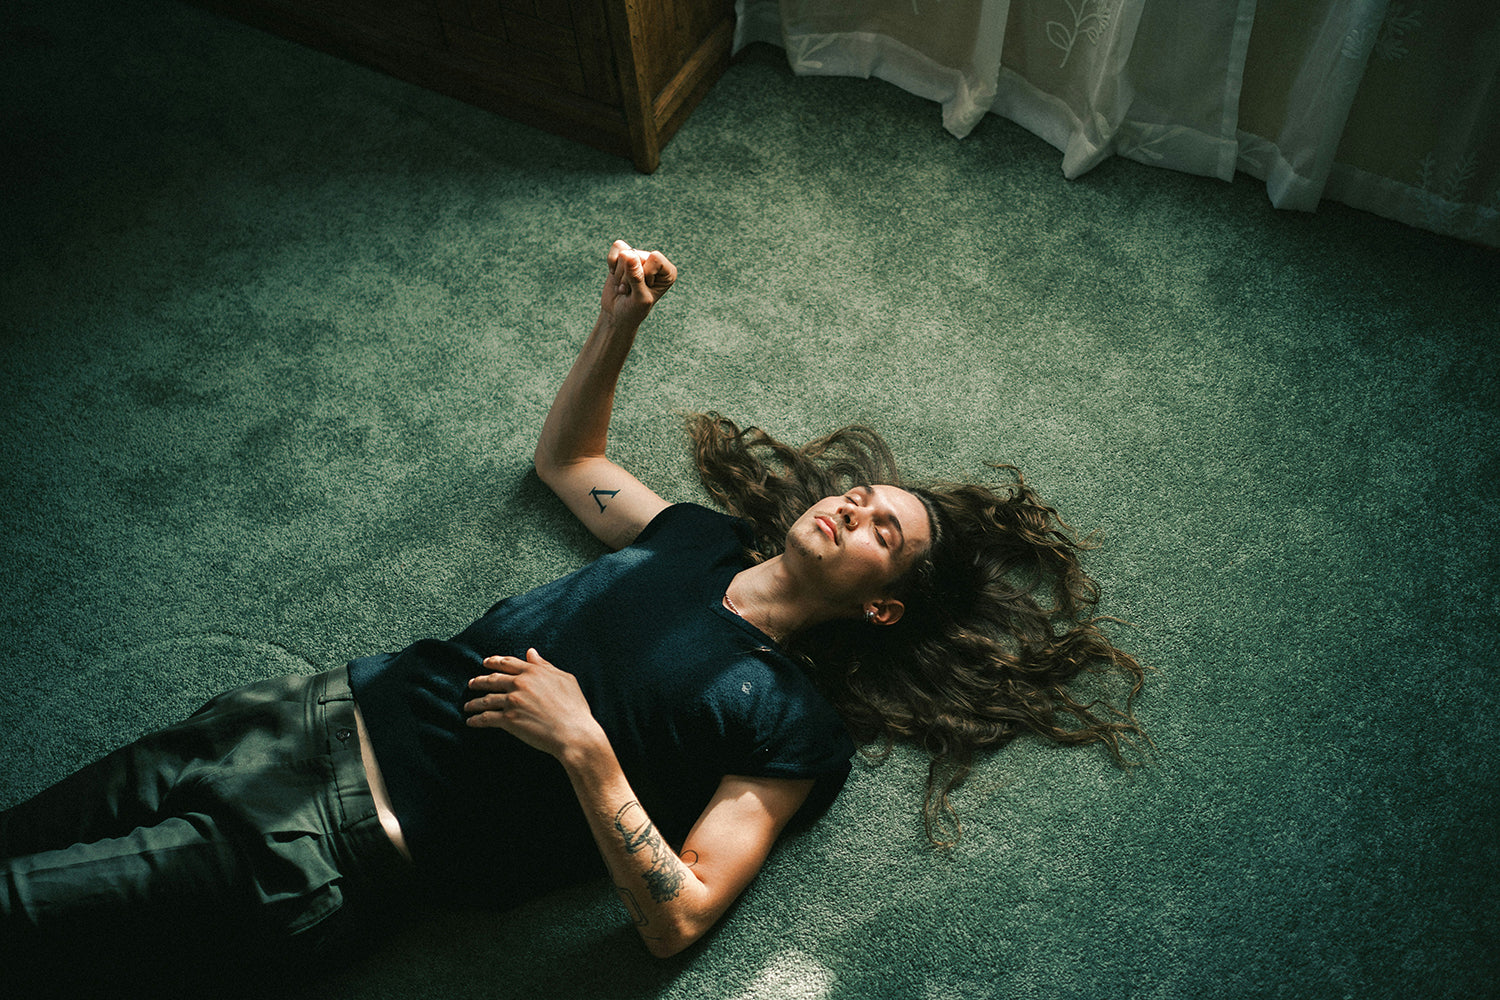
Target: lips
{"points": [[826, 524]]}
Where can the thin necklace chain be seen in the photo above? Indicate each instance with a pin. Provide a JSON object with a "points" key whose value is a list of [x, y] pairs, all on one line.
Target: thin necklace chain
{"points": [[741, 615]]}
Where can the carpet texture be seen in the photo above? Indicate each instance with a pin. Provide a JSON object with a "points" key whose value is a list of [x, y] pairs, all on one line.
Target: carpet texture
{"points": [[279, 331]]}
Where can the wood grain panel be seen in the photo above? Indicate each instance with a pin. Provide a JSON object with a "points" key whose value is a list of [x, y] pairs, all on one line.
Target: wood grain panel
{"points": [[541, 36], [620, 75], [515, 59]]}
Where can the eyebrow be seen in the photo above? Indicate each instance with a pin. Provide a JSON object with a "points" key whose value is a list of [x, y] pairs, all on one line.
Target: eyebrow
{"points": [[889, 513]]}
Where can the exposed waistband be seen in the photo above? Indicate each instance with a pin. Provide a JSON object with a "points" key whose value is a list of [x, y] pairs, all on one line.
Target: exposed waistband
{"points": [[366, 850]]}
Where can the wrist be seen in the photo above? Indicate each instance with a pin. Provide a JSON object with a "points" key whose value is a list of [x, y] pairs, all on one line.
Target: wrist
{"points": [[587, 752], [618, 325]]}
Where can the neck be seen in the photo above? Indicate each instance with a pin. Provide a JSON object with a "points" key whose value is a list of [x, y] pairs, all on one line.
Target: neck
{"points": [[766, 596]]}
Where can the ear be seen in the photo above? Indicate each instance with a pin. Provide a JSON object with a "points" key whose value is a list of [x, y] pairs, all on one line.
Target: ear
{"points": [[888, 611]]}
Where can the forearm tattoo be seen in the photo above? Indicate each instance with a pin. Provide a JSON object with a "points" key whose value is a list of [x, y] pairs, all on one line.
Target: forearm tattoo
{"points": [[627, 897], [665, 878], [599, 496]]}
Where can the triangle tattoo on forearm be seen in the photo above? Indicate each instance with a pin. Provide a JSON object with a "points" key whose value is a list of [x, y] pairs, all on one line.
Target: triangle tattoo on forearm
{"points": [[597, 493]]}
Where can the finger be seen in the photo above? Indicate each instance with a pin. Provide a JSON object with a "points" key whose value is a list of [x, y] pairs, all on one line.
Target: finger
{"points": [[620, 274], [635, 270], [487, 720], [532, 656], [663, 272], [501, 668], [493, 684], [487, 703], [615, 249]]}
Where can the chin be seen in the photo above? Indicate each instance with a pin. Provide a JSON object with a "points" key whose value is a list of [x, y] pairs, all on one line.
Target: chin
{"points": [[802, 555], [804, 538]]}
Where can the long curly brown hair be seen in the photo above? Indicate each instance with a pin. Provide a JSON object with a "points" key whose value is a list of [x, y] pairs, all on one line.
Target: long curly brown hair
{"points": [[999, 612]]}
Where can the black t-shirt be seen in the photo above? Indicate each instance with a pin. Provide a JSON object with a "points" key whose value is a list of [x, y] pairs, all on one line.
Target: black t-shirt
{"points": [[686, 691]]}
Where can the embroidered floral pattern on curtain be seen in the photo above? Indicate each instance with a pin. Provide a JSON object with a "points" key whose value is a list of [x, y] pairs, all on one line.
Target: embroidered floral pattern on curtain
{"points": [[1390, 106]]}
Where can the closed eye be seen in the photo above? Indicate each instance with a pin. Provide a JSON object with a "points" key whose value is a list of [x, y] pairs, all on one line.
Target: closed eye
{"points": [[894, 536], [865, 496]]}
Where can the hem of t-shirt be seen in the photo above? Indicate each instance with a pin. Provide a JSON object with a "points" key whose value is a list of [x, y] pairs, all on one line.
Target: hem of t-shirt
{"points": [[791, 772]]}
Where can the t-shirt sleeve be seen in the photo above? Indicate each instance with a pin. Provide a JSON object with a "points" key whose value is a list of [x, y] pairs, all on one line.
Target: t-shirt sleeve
{"points": [[786, 729], [804, 737], [693, 526]]}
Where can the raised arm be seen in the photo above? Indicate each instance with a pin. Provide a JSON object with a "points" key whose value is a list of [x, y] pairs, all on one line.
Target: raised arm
{"points": [[570, 457]]}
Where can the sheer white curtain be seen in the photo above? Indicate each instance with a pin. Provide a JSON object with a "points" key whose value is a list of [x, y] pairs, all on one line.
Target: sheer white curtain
{"points": [[1388, 105]]}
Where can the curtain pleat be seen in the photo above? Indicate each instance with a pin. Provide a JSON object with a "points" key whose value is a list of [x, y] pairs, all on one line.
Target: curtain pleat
{"points": [[1359, 100]]}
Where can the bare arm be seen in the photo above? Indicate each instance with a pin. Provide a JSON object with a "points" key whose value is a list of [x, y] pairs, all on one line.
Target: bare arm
{"points": [[570, 455], [673, 898]]}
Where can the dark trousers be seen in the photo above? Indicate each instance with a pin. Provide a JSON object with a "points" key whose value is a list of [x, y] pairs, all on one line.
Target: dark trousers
{"points": [[248, 826]]}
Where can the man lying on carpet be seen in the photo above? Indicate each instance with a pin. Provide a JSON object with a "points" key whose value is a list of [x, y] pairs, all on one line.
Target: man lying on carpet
{"points": [[660, 715]]}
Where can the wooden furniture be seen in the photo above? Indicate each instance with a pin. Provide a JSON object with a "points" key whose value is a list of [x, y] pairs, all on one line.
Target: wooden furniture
{"points": [[619, 75]]}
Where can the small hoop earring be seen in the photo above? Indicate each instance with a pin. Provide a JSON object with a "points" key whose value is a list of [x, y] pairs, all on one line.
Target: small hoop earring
{"points": [[870, 615]]}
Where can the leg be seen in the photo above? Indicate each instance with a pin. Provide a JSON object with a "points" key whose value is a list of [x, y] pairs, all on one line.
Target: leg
{"points": [[148, 842], [127, 789], [151, 877], [108, 798], [250, 822], [155, 908]]}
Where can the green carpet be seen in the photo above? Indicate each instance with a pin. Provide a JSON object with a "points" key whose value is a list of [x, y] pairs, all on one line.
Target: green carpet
{"points": [[278, 333]]}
